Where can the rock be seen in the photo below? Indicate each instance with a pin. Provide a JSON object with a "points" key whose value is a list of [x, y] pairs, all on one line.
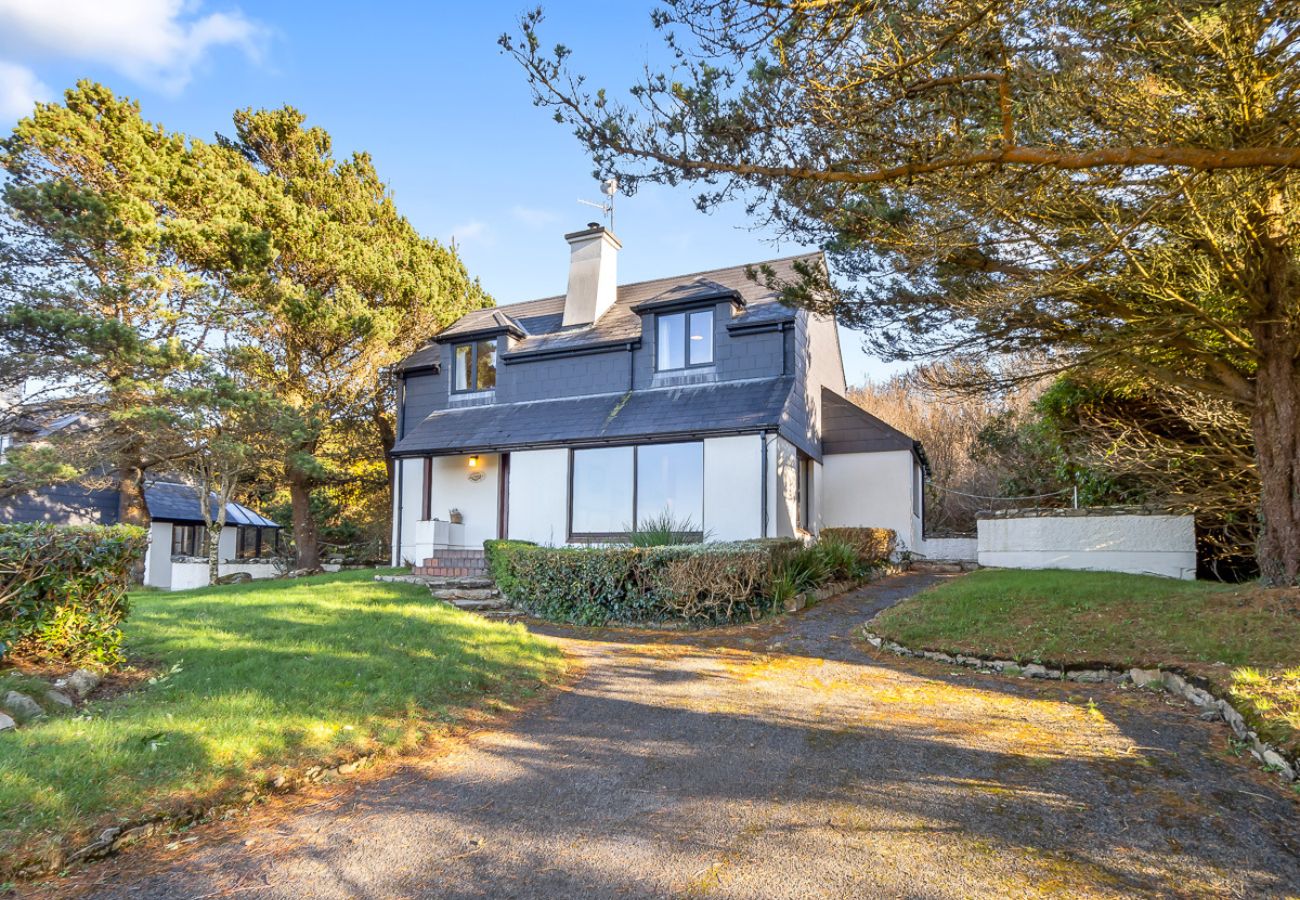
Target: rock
{"points": [[1274, 760], [1198, 696], [80, 682], [348, 768], [1233, 718], [1210, 715], [875, 640], [303, 573], [1034, 670], [235, 578], [938, 657], [6, 723], [795, 603], [1145, 677], [22, 707], [1088, 676], [1174, 683], [60, 698]]}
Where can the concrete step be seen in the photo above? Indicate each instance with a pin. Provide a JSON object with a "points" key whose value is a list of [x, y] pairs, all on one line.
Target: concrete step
{"points": [[942, 566], [458, 582], [467, 595]]}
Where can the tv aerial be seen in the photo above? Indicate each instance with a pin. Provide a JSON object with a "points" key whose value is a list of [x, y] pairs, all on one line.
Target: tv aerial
{"points": [[608, 187]]}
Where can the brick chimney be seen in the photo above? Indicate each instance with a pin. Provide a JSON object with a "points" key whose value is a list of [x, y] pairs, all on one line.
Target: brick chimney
{"points": [[593, 274]]}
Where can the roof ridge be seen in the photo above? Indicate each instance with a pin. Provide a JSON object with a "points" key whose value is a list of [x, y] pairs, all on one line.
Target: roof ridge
{"points": [[632, 284]]}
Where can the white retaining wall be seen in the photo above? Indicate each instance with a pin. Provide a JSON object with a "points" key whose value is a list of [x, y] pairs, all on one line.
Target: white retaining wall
{"points": [[1138, 544], [955, 548]]}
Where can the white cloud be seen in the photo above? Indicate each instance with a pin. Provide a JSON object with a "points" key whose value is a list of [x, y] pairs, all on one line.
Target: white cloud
{"points": [[156, 42], [19, 91], [534, 217], [474, 230]]}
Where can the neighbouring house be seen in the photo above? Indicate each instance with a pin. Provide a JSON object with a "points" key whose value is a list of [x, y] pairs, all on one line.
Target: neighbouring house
{"points": [[570, 419], [177, 557]]}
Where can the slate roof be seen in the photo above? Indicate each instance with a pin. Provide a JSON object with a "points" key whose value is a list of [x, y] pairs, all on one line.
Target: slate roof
{"points": [[718, 408], [77, 504], [540, 321], [169, 501], [848, 428]]}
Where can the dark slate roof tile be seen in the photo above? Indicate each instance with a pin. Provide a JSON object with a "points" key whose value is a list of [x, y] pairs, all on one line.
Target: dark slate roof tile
{"points": [[663, 412]]}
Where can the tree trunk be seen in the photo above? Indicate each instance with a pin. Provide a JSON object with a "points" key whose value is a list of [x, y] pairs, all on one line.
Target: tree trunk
{"points": [[131, 506], [305, 538], [214, 551], [1276, 424]]}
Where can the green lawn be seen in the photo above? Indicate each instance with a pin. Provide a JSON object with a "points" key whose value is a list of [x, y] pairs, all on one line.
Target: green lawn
{"points": [[1245, 639], [250, 678]]}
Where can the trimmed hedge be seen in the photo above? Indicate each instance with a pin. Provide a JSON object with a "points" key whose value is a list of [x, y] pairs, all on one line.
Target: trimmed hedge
{"points": [[702, 583], [63, 589], [874, 546]]}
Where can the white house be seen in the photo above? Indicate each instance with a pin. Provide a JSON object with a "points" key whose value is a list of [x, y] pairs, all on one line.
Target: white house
{"points": [[574, 418]]}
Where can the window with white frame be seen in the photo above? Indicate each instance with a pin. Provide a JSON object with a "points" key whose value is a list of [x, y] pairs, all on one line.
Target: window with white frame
{"points": [[684, 340]]}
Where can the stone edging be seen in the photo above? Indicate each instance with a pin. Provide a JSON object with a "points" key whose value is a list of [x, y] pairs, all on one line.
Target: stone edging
{"points": [[1216, 708], [114, 839]]}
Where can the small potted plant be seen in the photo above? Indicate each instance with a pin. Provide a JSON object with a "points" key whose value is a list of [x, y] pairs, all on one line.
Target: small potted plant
{"points": [[455, 516]]}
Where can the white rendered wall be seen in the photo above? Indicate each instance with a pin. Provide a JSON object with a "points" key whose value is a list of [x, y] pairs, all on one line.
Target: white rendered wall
{"points": [[158, 558], [961, 548], [782, 487], [871, 490], [539, 496], [733, 485], [452, 488], [1138, 544]]}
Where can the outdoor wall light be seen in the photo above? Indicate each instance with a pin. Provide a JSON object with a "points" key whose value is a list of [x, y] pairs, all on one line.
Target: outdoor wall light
{"points": [[473, 461]]}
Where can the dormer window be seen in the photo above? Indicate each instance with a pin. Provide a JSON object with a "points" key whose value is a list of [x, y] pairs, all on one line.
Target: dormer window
{"points": [[475, 367], [684, 339]]}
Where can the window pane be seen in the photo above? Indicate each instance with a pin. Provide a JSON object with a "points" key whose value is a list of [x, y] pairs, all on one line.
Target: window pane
{"points": [[701, 343], [670, 480], [487, 365], [602, 490], [464, 367], [671, 341]]}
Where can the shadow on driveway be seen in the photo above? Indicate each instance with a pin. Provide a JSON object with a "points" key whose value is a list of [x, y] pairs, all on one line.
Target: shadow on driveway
{"points": [[782, 759]]}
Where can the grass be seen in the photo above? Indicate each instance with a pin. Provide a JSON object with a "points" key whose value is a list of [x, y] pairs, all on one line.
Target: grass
{"points": [[1244, 639], [250, 678]]}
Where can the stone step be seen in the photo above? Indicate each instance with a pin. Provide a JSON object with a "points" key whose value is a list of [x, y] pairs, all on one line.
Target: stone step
{"points": [[438, 582], [469, 595], [492, 605]]}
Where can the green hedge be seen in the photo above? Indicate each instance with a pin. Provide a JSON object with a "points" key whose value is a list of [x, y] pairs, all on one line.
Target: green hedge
{"points": [[63, 590], [702, 583]]}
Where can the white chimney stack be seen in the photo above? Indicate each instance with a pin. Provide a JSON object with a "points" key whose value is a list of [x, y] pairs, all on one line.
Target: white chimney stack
{"points": [[593, 274]]}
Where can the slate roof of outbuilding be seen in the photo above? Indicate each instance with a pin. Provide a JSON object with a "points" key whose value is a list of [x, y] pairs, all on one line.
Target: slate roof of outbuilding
{"points": [[74, 503], [542, 320], [695, 410]]}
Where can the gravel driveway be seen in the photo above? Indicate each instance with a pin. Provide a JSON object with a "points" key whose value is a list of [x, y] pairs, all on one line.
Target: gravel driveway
{"points": [[777, 760]]}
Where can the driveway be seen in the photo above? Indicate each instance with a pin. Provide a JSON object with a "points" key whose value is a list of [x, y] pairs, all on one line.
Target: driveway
{"points": [[778, 760]]}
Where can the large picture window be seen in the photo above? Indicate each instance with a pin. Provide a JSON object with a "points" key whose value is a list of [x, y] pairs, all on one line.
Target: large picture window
{"points": [[475, 367], [616, 489], [684, 339]]}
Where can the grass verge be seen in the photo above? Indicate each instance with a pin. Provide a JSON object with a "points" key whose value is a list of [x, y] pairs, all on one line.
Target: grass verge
{"points": [[250, 679], [1244, 639]]}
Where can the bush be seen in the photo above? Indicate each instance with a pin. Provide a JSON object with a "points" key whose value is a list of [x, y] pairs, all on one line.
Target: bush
{"points": [[665, 531], [594, 585], [63, 589], [874, 546]]}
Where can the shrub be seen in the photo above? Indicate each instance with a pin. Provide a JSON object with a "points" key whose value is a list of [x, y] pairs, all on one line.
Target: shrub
{"points": [[665, 531], [595, 585], [874, 546], [63, 589]]}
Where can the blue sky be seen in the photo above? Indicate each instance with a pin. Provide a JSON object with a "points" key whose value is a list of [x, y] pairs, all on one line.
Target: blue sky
{"points": [[424, 89]]}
